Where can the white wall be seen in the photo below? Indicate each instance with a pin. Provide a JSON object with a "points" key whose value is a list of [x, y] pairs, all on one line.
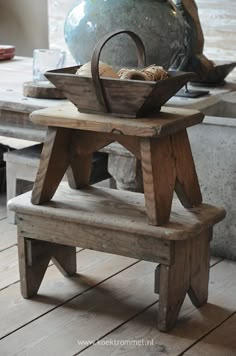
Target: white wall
{"points": [[24, 24]]}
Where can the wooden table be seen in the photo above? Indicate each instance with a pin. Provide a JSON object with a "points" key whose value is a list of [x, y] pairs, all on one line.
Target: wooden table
{"points": [[161, 143], [14, 107]]}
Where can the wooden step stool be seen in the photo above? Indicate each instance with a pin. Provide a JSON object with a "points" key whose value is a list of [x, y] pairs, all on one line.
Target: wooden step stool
{"points": [[22, 166], [115, 222]]}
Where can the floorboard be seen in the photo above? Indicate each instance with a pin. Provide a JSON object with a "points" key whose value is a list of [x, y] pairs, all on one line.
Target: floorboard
{"points": [[8, 234], [220, 342], [93, 268], [192, 325]]}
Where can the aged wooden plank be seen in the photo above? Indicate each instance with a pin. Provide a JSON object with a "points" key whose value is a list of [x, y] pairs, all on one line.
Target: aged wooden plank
{"points": [[187, 185], [159, 176], [96, 238], [220, 342], [90, 315], [92, 268], [193, 324], [8, 234], [118, 210], [34, 257], [166, 122], [53, 164]]}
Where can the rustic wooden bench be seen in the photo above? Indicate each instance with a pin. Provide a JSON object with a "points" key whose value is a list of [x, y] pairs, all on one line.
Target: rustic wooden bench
{"points": [[115, 222], [22, 166]]}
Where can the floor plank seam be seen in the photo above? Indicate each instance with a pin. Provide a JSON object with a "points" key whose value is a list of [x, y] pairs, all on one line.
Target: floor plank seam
{"points": [[183, 353], [117, 327], [17, 281], [68, 300], [216, 263], [9, 285], [8, 247]]}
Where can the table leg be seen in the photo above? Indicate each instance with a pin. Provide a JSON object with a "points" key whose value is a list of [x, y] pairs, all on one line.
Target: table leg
{"points": [[159, 176], [55, 159]]}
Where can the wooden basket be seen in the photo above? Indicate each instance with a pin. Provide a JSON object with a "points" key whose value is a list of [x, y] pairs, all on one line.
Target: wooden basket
{"points": [[124, 98]]}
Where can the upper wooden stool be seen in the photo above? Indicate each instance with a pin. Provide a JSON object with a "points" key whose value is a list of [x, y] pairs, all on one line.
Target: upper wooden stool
{"points": [[160, 142]]}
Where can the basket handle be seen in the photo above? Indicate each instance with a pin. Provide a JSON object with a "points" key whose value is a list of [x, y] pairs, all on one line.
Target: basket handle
{"points": [[100, 92]]}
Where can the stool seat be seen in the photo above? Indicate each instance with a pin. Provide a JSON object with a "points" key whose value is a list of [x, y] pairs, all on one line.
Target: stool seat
{"points": [[22, 165], [114, 221]]}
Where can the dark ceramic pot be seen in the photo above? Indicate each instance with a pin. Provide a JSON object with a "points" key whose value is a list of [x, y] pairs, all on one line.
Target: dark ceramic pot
{"points": [[158, 23]]}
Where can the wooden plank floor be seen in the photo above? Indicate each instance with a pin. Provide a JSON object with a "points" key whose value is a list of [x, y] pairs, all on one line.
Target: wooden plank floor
{"points": [[108, 308]]}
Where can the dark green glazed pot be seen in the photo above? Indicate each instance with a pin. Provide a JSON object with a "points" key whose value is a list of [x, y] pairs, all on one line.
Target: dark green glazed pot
{"points": [[158, 23]]}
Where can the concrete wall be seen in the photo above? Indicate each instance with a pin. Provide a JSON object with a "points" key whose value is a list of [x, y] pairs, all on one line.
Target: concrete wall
{"points": [[24, 24]]}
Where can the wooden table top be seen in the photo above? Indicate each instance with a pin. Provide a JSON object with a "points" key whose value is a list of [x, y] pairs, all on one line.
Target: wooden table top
{"points": [[168, 121]]}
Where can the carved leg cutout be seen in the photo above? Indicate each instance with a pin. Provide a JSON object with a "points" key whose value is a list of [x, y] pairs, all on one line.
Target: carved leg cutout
{"points": [[187, 186], [54, 162], [173, 286], [200, 267], [34, 257], [159, 177]]}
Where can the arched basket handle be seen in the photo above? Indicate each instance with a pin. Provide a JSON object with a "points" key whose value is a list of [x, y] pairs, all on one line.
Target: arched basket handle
{"points": [[100, 92]]}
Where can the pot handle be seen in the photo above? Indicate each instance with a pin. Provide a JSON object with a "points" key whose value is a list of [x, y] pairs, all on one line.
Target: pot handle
{"points": [[99, 89]]}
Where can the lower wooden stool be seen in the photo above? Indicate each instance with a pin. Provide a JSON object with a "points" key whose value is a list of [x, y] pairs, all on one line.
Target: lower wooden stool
{"points": [[115, 222]]}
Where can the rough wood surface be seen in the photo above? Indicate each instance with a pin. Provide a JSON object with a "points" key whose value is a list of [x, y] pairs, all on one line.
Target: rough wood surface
{"points": [[53, 164], [192, 326], [34, 257], [159, 175], [187, 185], [125, 243], [92, 268], [118, 210], [166, 122], [63, 330], [42, 91]]}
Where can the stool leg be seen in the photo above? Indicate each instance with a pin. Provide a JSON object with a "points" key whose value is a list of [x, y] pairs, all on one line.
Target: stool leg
{"points": [[34, 257], [159, 178], [53, 164], [200, 268], [172, 283], [188, 274], [187, 186]]}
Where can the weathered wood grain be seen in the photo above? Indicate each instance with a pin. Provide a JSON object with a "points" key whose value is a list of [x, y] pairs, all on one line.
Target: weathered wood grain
{"points": [[220, 342], [109, 304], [159, 176], [117, 211], [168, 121], [55, 159], [34, 257], [187, 185], [192, 325], [92, 268], [62, 330]]}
